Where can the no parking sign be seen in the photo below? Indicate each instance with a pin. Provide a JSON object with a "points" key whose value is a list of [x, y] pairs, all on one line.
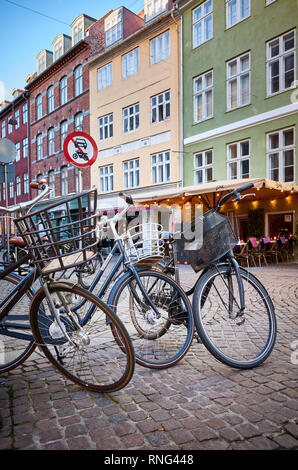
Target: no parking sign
{"points": [[80, 149]]}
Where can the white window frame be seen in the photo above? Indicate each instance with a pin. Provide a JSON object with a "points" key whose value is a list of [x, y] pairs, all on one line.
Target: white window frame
{"points": [[63, 90], [51, 141], [78, 80], [237, 77], [153, 8], [106, 178], [11, 190], [25, 147], [51, 178], [26, 183], [200, 23], [18, 185], [161, 107], [105, 76], [161, 167], [160, 48], [25, 113], [39, 152], [203, 92], [78, 121], [9, 131], [3, 129], [130, 63], [204, 168], [77, 33], [64, 181], [114, 34], [50, 98], [63, 132], [38, 107], [17, 118], [238, 160], [281, 62], [78, 180], [131, 118], [280, 150], [239, 18], [18, 150], [131, 173], [106, 126]]}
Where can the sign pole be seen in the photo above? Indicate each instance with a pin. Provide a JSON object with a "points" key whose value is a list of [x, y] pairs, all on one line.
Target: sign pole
{"points": [[7, 215]]}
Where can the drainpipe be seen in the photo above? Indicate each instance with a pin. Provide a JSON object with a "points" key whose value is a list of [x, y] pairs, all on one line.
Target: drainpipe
{"points": [[27, 95], [176, 7]]}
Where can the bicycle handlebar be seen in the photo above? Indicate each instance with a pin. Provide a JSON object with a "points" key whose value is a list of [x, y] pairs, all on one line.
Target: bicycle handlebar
{"points": [[236, 192], [41, 184]]}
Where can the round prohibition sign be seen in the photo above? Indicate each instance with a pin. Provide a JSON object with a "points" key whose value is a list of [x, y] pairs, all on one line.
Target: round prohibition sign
{"points": [[80, 149]]}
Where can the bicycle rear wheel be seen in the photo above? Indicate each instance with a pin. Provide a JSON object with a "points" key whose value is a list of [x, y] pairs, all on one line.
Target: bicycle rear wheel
{"points": [[159, 341], [16, 340], [82, 347], [238, 341]]}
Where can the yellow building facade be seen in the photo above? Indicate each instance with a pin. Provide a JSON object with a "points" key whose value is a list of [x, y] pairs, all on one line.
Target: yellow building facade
{"points": [[135, 118]]}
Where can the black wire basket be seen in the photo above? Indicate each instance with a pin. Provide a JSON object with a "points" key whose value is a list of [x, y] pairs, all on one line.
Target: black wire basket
{"points": [[61, 235], [207, 239]]}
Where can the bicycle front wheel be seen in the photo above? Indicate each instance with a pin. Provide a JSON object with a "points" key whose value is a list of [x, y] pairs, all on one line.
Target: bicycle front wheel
{"points": [[160, 339], [241, 341], [82, 347]]}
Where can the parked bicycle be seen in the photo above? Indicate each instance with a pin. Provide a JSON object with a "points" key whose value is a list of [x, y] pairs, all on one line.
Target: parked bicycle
{"points": [[233, 313], [82, 346]]}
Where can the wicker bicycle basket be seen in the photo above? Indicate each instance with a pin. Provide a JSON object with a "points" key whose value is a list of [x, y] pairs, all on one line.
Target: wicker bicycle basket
{"points": [[61, 235], [217, 238], [144, 245]]}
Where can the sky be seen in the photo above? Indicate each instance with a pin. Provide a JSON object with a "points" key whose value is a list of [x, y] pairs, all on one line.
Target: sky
{"points": [[24, 33]]}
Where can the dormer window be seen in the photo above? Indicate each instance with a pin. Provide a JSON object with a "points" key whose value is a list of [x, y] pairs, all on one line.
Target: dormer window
{"points": [[77, 33], [154, 8], [80, 26], [41, 64], [58, 50], [114, 27], [44, 60]]}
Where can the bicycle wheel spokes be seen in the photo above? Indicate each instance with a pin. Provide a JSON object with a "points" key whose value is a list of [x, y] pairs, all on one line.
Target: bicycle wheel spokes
{"points": [[161, 338], [87, 354], [240, 340], [16, 340]]}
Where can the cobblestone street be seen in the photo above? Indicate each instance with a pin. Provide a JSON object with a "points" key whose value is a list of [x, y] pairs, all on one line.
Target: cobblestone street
{"points": [[197, 404]]}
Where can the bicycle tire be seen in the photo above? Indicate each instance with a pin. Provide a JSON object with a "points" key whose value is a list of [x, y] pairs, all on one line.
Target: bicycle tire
{"points": [[90, 267], [14, 351], [161, 342], [110, 368], [243, 342]]}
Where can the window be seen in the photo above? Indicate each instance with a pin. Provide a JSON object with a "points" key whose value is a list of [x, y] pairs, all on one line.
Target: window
{"points": [[3, 130], [236, 11], [18, 150], [131, 171], [25, 113], [113, 34], [18, 185], [238, 82], [50, 99], [239, 160], [104, 75], [131, 118], [25, 148], [281, 155], [106, 178], [202, 20], [26, 183], [9, 125], [64, 181], [154, 8], [78, 79], [58, 50], [281, 63], [160, 167], [17, 118], [160, 107], [105, 127], [63, 90], [203, 170], [130, 63], [203, 96], [63, 132], [78, 122], [77, 33], [51, 141], [11, 190], [41, 64], [160, 48], [51, 177], [268, 2], [39, 107], [39, 146], [78, 180]]}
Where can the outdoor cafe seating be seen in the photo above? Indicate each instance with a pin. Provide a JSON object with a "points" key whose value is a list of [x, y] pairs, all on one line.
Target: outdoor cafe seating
{"points": [[253, 252]]}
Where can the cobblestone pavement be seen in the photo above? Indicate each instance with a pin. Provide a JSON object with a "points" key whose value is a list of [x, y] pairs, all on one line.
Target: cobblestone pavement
{"points": [[198, 404]]}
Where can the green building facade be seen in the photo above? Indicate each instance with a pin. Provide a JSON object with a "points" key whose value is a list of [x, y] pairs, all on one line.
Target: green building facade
{"points": [[240, 100]]}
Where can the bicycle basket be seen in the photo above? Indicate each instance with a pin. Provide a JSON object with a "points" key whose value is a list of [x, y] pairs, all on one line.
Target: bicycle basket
{"points": [[143, 244], [217, 239], [61, 235]]}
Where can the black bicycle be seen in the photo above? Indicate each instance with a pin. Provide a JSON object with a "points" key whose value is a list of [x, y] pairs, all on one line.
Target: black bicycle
{"points": [[233, 313]]}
